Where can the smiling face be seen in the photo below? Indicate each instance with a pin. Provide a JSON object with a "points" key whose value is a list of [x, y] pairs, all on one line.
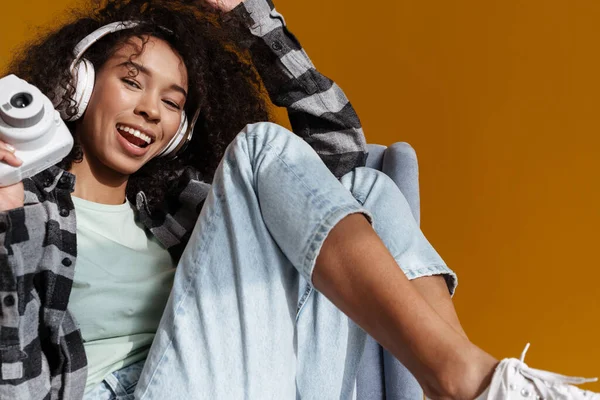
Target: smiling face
{"points": [[130, 118]]}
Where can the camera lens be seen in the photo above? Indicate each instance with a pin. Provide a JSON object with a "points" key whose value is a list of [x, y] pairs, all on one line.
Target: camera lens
{"points": [[21, 100]]}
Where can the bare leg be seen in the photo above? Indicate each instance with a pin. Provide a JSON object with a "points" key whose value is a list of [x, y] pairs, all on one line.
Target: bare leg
{"points": [[435, 292], [379, 297]]}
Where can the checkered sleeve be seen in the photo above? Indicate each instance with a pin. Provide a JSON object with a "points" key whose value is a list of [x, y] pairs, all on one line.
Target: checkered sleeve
{"points": [[36, 252], [19, 318], [318, 109]]}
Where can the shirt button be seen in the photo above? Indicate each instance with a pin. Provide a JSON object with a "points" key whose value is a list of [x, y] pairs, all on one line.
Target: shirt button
{"points": [[247, 17], [276, 46], [9, 300], [67, 262], [64, 212]]}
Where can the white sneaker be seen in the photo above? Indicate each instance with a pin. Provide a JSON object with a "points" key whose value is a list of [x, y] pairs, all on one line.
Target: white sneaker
{"points": [[513, 379]]}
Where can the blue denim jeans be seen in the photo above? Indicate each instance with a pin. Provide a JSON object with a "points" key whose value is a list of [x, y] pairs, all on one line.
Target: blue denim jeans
{"points": [[119, 385], [243, 320]]}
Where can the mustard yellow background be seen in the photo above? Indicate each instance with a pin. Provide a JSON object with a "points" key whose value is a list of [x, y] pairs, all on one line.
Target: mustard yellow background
{"points": [[500, 100]]}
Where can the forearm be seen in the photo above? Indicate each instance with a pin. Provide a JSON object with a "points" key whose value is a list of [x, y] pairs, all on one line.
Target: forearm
{"points": [[9, 204], [318, 109]]}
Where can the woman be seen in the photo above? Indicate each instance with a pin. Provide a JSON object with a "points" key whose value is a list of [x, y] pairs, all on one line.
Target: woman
{"points": [[281, 219]]}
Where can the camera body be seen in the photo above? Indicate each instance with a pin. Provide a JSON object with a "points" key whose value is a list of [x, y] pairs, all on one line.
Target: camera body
{"points": [[29, 123]]}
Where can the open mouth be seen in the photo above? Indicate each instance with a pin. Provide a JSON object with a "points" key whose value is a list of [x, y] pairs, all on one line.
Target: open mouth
{"points": [[134, 136]]}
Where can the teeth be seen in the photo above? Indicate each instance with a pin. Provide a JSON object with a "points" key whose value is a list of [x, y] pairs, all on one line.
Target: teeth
{"points": [[135, 133]]}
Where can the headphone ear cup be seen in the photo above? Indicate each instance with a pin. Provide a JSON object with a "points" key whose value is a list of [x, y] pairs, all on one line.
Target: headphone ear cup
{"points": [[84, 78], [182, 130], [172, 147]]}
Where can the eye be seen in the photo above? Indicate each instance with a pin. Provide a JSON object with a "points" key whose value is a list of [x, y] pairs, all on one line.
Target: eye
{"points": [[172, 104], [131, 82]]}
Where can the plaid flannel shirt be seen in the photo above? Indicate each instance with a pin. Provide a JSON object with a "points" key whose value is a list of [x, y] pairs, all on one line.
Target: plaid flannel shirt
{"points": [[41, 348]]}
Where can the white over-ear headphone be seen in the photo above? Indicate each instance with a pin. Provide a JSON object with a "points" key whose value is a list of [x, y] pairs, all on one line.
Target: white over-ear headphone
{"points": [[83, 75]]}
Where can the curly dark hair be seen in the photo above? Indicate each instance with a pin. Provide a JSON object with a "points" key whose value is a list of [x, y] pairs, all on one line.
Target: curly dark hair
{"points": [[222, 80]]}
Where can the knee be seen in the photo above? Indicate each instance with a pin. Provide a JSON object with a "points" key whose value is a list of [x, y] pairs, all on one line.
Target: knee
{"points": [[258, 139], [266, 132]]}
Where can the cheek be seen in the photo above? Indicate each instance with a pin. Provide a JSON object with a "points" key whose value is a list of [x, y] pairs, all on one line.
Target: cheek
{"points": [[109, 100]]}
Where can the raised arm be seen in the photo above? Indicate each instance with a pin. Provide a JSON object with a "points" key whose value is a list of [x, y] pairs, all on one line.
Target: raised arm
{"points": [[318, 109]]}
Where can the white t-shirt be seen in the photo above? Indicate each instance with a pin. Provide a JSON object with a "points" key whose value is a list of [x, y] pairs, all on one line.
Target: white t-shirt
{"points": [[123, 277]]}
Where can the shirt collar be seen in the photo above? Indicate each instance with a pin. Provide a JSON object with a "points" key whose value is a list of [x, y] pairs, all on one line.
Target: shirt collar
{"points": [[55, 177]]}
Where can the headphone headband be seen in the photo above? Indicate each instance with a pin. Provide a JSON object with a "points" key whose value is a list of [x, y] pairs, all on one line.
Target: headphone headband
{"points": [[93, 37]]}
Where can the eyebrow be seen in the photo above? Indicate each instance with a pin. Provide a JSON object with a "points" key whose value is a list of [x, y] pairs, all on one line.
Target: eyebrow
{"points": [[146, 71]]}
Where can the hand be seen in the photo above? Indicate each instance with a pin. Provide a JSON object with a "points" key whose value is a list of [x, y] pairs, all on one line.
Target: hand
{"points": [[12, 196], [224, 5]]}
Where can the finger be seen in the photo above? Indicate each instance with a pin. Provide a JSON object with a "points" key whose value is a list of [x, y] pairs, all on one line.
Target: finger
{"points": [[7, 146], [10, 158]]}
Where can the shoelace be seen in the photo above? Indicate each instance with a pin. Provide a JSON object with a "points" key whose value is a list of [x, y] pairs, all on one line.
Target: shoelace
{"points": [[545, 381]]}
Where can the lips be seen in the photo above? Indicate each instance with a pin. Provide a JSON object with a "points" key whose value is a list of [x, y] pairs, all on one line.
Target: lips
{"points": [[135, 140], [135, 136], [129, 147]]}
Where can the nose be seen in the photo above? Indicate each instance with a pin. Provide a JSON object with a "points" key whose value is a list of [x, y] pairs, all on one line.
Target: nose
{"points": [[147, 107]]}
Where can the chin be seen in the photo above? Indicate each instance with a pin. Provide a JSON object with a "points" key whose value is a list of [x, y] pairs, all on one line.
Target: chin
{"points": [[125, 165]]}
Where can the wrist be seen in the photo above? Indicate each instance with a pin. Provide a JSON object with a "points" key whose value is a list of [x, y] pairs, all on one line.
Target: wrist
{"points": [[252, 13], [10, 205]]}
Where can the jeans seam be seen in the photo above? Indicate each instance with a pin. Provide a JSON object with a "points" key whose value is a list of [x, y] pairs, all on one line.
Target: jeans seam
{"points": [[177, 308], [436, 269], [303, 300]]}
